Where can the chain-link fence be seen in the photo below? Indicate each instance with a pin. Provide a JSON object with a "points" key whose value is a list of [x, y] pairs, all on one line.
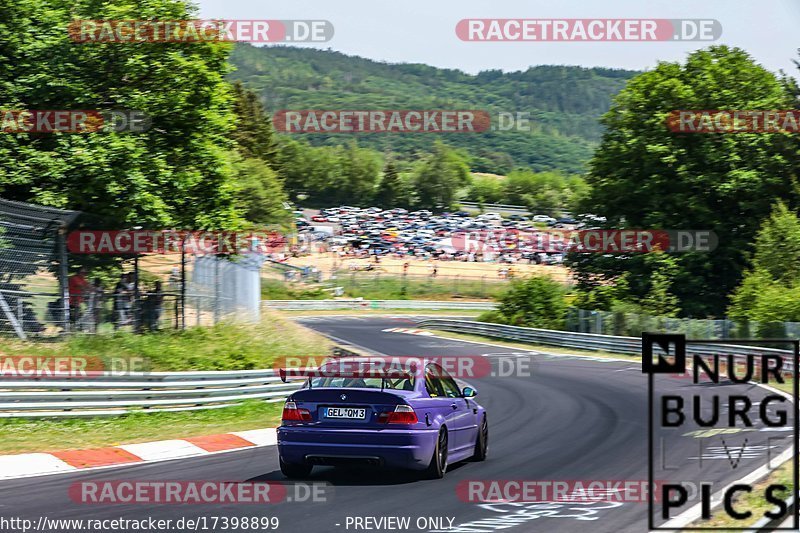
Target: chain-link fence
{"points": [[633, 324], [166, 290], [33, 275], [48, 289]]}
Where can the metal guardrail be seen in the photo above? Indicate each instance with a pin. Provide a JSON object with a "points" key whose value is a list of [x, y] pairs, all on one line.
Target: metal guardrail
{"points": [[110, 394], [590, 341], [330, 305], [114, 394]]}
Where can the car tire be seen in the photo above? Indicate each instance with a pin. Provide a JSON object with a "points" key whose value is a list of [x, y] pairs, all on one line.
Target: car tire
{"points": [[295, 471], [482, 442], [438, 465]]}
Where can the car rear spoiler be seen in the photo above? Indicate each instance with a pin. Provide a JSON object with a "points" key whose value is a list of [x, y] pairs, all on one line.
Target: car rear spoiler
{"points": [[287, 374]]}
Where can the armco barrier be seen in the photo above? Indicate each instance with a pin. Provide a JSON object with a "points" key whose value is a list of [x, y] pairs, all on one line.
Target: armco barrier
{"points": [[115, 394], [110, 394], [589, 341], [352, 304]]}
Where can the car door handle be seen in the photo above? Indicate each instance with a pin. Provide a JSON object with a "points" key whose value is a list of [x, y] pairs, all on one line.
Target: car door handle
{"points": [[454, 406]]}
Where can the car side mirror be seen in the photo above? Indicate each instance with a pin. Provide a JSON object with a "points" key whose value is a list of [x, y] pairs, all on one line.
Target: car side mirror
{"points": [[469, 392]]}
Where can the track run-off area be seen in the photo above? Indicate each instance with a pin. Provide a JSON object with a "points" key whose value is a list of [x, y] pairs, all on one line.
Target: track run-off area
{"points": [[561, 418]]}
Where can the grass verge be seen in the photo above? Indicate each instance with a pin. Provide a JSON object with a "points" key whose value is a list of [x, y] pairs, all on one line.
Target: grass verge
{"points": [[226, 346], [43, 435], [388, 287], [753, 501]]}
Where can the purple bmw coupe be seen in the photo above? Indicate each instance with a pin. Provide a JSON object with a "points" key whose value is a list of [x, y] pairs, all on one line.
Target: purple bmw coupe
{"points": [[384, 414]]}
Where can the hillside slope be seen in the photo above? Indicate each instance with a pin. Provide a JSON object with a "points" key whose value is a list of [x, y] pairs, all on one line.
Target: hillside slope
{"points": [[563, 102]]}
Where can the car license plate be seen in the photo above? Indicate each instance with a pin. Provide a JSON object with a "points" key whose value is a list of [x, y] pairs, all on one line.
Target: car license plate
{"points": [[346, 412]]}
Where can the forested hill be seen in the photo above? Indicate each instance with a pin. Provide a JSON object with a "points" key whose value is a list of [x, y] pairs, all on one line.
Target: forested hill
{"points": [[564, 103]]}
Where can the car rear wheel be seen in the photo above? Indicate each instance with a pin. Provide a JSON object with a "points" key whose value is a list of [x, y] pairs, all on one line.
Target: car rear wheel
{"points": [[438, 465], [482, 443], [291, 470]]}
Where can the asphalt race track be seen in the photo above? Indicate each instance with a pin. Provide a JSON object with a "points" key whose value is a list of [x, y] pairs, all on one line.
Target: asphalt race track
{"points": [[571, 419]]}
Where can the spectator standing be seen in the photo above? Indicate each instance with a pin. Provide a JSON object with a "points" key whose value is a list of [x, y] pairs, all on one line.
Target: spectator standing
{"points": [[94, 304], [77, 285], [153, 307], [123, 300]]}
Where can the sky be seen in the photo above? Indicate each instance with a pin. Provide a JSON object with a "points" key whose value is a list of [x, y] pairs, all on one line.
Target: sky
{"points": [[423, 31]]}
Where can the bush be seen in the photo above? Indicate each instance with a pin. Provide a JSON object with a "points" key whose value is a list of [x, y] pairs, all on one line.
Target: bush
{"points": [[534, 302], [493, 316]]}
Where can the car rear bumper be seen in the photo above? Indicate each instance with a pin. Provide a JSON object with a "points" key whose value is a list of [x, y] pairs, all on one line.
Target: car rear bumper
{"points": [[394, 448]]}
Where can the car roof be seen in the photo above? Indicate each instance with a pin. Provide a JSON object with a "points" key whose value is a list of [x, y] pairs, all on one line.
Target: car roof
{"points": [[376, 359]]}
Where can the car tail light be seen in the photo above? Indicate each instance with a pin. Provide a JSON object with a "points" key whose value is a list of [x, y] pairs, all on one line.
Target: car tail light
{"points": [[402, 414], [292, 413]]}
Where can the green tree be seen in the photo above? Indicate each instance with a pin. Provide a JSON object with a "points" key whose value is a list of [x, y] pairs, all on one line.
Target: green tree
{"points": [[604, 297], [644, 176], [659, 299], [253, 135], [390, 192], [542, 192], [777, 248], [260, 195], [309, 171], [360, 169], [175, 174], [486, 190], [437, 178], [770, 289]]}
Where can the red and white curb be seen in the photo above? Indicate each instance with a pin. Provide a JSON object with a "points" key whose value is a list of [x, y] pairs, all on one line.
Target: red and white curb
{"points": [[409, 331], [39, 464]]}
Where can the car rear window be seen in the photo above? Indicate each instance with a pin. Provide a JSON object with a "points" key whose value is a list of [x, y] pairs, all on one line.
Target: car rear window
{"points": [[364, 383]]}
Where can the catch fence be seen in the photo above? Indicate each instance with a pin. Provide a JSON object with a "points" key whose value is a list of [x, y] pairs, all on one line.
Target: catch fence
{"points": [[50, 289], [632, 324]]}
